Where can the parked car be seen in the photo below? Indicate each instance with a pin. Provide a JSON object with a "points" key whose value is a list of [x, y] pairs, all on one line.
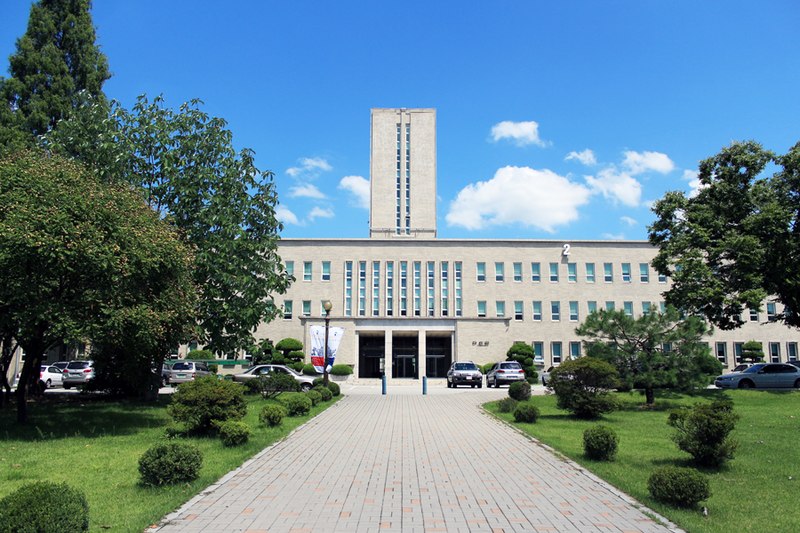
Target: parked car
{"points": [[183, 371], [50, 376], [306, 382], [504, 372], [165, 372], [546, 375], [741, 367], [795, 363], [77, 373], [464, 373], [61, 365], [761, 376]]}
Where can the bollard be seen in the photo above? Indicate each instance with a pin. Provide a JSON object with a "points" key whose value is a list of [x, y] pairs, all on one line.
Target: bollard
{"points": [[424, 385], [383, 385]]}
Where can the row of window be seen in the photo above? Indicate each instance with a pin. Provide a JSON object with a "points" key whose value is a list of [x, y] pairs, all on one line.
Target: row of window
{"points": [[573, 309], [555, 269], [308, 267]]}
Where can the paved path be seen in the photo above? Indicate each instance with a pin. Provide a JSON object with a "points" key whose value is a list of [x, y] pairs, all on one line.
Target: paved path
{"points": [[411, 463]]}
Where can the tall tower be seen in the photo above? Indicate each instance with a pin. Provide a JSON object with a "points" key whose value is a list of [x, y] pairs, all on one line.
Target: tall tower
{"points": [[403, 173]]}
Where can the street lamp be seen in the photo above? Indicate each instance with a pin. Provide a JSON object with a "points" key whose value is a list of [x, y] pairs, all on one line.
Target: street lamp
{"points": [[327, 306]]}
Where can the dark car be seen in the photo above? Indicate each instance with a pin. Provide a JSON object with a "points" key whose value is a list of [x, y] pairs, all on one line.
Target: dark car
{"points": [[464, 373], [504, 372], [762, 376]]}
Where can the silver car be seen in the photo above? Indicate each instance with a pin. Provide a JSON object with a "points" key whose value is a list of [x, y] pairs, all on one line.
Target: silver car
{"points": [[183, 371], [762, 376], [306, 382], [504, 372], [464, 373], [77, 373]]}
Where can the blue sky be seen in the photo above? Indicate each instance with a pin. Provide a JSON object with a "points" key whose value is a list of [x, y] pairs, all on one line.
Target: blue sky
{"points": [[555, 120]]}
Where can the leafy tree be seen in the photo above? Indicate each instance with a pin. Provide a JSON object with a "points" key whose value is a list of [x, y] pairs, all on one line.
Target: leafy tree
{"points": [[84, 260], [55, 59], [738, 240], [523, 354], [291, 350], [752, 352], [656, 350], [583, 386]]}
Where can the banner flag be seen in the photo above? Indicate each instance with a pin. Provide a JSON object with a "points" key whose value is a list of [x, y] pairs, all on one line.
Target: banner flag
{"points": [[317, 334], [334, 338]]}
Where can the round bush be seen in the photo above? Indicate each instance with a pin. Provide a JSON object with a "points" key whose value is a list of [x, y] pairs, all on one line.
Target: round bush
{"points": [[252, 386], [309, 370], [526, 412], [341, 370], [204, 403], [272, 415], [507, 405], [296, 403], [681, 487], [324, 392], [583, 386], [334, 388], [314, 396], [600, 443], [520, 391], [44, 507], [234, 433], [703, 431], [169, 463]]}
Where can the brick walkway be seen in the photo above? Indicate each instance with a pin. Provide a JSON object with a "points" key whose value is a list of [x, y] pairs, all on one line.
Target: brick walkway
{"points": [[411, 463]]}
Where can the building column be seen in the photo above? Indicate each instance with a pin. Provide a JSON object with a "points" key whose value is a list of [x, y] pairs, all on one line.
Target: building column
{"points": [[422, 352], [387, 354]]}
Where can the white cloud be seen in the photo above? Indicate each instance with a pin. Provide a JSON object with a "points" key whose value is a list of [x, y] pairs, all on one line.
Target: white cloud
{"points": [[518, 196], [358, 186], [522, 133], [639, 162], [310, 167], [285, 215], [585, 157], [694, 182], [319, 212], [629, 221], [618, 186], [306, 190], [614, 236]]}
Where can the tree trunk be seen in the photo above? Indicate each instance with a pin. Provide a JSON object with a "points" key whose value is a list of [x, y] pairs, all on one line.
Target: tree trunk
{"points": [[33, 360], [650, 395]]}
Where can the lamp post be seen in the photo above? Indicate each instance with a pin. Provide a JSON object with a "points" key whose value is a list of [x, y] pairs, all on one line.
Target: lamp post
{"points": [[327, 305]]}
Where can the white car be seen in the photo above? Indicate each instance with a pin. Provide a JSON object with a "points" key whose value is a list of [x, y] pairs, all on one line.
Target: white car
{"points": [[50, 376]]}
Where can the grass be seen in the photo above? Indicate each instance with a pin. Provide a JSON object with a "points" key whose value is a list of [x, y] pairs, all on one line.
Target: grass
{"points": [[756, 491], [95, 446]]}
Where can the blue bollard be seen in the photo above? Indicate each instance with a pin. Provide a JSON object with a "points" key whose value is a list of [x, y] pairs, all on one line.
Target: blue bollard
{"points": [[424, 385], [383, 385]]}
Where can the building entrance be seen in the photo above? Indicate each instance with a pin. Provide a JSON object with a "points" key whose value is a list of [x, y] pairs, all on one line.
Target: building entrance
{"points": [[371, 351], [405, 353], [439, 355]]}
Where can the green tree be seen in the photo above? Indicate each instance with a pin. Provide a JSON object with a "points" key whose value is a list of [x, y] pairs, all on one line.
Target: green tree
{"points": [[523, 354], [737, 241], [752, 352], [656, 350], [583, 386], [55, 59], [291, 350], [84, 260]]}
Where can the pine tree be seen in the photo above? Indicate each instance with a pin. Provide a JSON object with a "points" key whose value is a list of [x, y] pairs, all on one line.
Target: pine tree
{"points": [[56, 59]]}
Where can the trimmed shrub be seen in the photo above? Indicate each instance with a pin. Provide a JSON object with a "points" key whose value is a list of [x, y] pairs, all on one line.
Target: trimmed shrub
{"points": [[44, 507], [252, 386], [234, 433], [275, 383], [681, 487], [704, 431], [583, 386], [169, 463], [309, 370], [297, 367], [507, 405], [341, 370], [334, 388], [600, 443], [201, 355], [522, 353], [296, 403], [526, 412], [485, 368], [314, 396], [324, 392], [205, 402], [272, 415], [520, 391]]}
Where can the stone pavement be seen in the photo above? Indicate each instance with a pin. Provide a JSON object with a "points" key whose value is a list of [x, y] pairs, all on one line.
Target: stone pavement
{"points": [[411, 463]]}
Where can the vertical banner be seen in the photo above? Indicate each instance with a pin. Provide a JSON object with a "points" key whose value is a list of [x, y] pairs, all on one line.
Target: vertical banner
{"points": [[334, 338], [317, 334]]}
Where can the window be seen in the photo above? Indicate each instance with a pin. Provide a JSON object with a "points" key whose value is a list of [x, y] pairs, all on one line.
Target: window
{"points": [[591, 306], [644, 272], [326, 271], [573, 311], [775, 352], [608, 272], [574, 350], [662, 278], [500, 308], [403, 288], [771, 312], [791, 351], [499, 271], [389, 288], [536, 272], [626, 272], [517, 272], [481, 308], [609, 306], [287, 309], [555, 351], [290, 268], [538, 351], [589, 272], [737, 351], [628, 308], [306, 307], [572, 272], [666, 347], [662, 307], [722, 352], [348, 288], [431, 276], [376, 287], [555, 311], [307, 271], [362, 288], [417, 288], [646, 307], [754, 315], [537, 311], [481, 271], [458, 287], [518, 310], [444, 268], [554, 272]]}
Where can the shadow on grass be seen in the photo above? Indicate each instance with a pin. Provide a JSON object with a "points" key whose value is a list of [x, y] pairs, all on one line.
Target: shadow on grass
{"points": [[83, 415]]}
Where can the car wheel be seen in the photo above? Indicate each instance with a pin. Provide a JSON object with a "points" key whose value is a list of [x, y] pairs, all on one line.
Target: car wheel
{"points": [[48, 384], [746, 384], [480, 385], [472, 386], [496, 384], [67, 386], [797, 384], [305, 387]]}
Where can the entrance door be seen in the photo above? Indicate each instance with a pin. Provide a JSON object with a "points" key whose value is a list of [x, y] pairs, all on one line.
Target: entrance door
{"points": [[405, 351], [439, 356], [371, 352]]}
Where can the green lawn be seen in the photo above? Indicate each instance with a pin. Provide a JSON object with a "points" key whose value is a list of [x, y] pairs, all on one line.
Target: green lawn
{"points": [[95, 446], [757, 491]]}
